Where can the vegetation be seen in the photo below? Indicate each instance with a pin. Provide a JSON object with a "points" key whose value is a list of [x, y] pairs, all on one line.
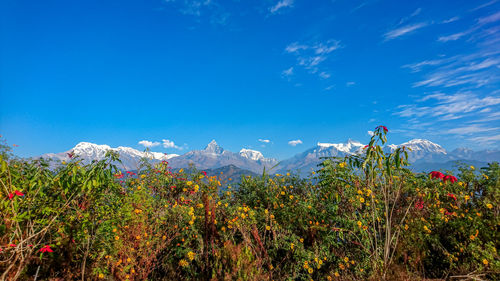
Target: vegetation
{"points": [[362, 217]]}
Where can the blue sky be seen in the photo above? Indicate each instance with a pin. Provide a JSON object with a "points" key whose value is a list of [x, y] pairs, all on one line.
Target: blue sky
{"points": [[253, 74]]}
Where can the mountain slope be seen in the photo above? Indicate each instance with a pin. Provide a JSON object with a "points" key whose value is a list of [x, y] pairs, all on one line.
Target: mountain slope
{"points": [[89, 152], [214, 156]]}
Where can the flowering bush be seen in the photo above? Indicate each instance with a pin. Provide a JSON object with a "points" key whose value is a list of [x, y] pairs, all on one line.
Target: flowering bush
{"points": [[360, 217]]}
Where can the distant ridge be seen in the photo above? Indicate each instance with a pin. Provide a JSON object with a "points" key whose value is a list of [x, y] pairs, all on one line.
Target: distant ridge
{"points": [[420, 151]]}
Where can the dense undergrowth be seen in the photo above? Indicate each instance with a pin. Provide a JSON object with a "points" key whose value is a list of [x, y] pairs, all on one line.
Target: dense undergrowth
{"points": [[356, 218]]}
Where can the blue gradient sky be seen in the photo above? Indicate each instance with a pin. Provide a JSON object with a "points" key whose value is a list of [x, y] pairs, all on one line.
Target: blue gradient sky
{"points": [[119, 72]]}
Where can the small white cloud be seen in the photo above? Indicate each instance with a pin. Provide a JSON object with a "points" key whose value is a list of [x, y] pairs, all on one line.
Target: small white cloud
{"points": [[287, 72], [281, 4], [370, 133], [324, 75], [147, 143], [294, 142], [453, 19], [170, 144], [350, 83], [400, 31], [264, 141]]}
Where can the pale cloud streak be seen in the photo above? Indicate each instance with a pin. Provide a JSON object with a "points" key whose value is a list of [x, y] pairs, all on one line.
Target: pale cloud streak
{"points": [[264, 140], [310, 56], [280, 5], [295, 142], [147, 143], [400, 31], [170, 144]]}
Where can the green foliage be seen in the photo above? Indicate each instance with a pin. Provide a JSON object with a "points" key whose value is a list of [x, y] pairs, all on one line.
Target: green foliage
{"points": [[357, 218]]}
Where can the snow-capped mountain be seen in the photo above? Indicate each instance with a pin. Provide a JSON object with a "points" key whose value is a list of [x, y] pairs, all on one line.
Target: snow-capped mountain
{"points": [[308, 160], [214, 156], [421, 153], [89, 152], [421, 150]]}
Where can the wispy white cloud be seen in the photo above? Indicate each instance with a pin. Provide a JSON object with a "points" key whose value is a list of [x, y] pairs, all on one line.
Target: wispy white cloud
{"points": [[450, 20], [280, 5], [294, 142], [400, 31], [466, 130], [147, 143], [350, 83], [486, 140], [170, 144], [311, 56], [453, 37], [489, 19], [287, 72], [485, 5], [264, 140]]}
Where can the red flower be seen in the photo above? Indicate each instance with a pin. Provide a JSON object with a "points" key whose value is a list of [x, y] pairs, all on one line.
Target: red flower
{"points": [[11, 195], [18, 193], [12, 245], [452, 196], [452, 179], [383, 128], [436, 175], [419, 204], [46, 248], [204, 173], [119, 176]]}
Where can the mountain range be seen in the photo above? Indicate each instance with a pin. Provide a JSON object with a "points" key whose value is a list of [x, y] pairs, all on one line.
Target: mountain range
{"points": [[422, 153]]}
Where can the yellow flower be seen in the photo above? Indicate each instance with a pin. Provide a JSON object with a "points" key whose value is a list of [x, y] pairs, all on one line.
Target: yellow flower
{"points": [[117, 237], [472, 237], [301, 240], [164, 237], [183, 263], [129, 259], [138, 237], [292, 245], [362, 200], [485, 261], [191, 255], [101, 276], [341, 266], [310, 270], [143, 176], [291, 197], [489, 206], [342, 165], [181, 170], [268, 227], [139, 187], [360, 224], [137, 211], [336, 274], [114, 229], [466, 197], [282, 193], [472, 168], [346, 259]]}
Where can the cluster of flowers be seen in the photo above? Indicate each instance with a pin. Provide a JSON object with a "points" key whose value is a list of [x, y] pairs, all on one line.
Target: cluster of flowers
{"points": [[443, 177]]}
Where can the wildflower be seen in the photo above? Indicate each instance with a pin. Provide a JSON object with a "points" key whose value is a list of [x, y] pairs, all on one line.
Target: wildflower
{"points": [[191, 255], [360, 223], [268, 227], [101, 276], [427, 229], [362, 200], [451, 195], [117, 237], [189, 183], [342, 164], [489, 206], [18, 193], [341, 266], [183, 263], [419, 204], [485, 261], [46, 248], [129, 259], [472, 168], [292, 245], [291, 197], [12, 245], [346, 259], [336, 274], [383, 128], [310, 270], [450, 178], [436, 175], [466, 197]]}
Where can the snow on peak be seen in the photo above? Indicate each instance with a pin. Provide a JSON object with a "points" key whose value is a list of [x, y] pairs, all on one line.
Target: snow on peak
{"points": [[348, 147], [423, 145], [251, 154], [213, 147]]}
